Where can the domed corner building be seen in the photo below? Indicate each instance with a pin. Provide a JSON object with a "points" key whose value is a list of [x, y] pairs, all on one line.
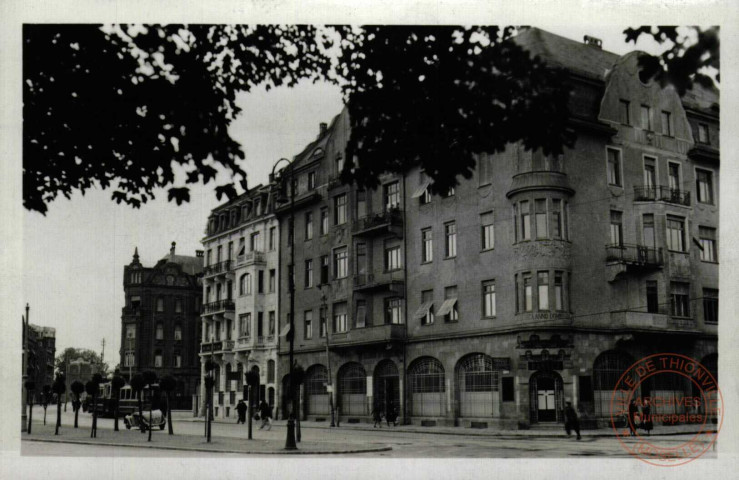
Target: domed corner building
{"points": [[160, 322], [535, 282]]}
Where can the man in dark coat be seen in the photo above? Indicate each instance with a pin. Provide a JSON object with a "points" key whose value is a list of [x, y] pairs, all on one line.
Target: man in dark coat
{"points": [[241, 410], [633, 412], [646, 412], [571, 421], [266, 413]]}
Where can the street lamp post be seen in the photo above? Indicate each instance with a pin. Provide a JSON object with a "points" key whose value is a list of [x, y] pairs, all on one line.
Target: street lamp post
{"points": [[24, 392], [330, 383], [290, 439]]}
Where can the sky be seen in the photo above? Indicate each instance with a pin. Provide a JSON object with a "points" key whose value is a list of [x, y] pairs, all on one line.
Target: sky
{"points": [[73, 257]]}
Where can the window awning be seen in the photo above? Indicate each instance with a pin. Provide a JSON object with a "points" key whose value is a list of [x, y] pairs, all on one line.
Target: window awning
{"points": [[285, 330], [419, 191], [423, 310], [447, 306]]}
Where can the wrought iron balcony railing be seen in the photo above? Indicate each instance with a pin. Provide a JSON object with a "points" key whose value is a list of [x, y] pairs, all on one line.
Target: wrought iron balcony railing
{"points": [[378, 223], [218, 268], [634, 255], [218, 306], [662, 194]]}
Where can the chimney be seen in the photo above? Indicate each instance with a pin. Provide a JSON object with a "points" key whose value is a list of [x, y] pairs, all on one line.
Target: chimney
{"points": [[324, 127], [171, 250], [199, 253], [593, 42]]}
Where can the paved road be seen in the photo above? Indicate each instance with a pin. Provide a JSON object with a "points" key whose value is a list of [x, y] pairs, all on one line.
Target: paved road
{"points": [[405, 444]]}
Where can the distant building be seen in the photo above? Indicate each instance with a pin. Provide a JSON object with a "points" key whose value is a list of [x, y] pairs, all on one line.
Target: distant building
{"points": [[41, 352], [79, 370], [159, 325], [240, 288]]}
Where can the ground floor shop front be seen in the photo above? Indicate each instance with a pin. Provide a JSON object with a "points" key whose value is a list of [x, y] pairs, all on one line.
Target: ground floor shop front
{"points": [[487, 381]]}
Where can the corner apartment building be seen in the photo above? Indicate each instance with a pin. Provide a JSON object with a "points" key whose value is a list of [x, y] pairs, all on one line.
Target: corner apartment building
{"points": [[538, 280], [159, 323], [41, 352], [240, 308]]}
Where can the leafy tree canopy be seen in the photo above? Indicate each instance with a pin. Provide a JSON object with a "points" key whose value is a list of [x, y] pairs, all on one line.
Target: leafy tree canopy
{"points": [[70, 354], [130, 107]]}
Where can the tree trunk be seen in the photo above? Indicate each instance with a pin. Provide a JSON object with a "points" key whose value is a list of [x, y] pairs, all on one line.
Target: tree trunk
{"points": [[58, 416], [151, 405], [250, 410], [30, 413], [141, 412], [76, 414], [44, 414], [94, 433], [115, 414], [169, 415]]}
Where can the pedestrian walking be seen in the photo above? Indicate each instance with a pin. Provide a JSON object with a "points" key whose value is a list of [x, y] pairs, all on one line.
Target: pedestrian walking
{"points": [[633, 419], [241, 410], [646, 412], [571, 421], [266, 413], [391, 415], [377, 415]]}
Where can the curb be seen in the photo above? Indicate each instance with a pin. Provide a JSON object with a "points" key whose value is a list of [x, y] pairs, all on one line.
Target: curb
{"points": [[467, 432], [206, 450]]}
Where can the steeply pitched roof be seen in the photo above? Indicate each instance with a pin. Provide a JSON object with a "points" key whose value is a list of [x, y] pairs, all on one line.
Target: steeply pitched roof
{"points": [[593, 62], [190, 265]]}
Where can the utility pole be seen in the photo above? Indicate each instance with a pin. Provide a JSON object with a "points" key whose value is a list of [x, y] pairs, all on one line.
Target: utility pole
{"points": [[329, 384], [102, 353], [24, 377]]}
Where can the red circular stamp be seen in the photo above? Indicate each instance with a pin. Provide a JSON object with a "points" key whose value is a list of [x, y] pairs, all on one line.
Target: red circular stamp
{"points": [[667, 389]]}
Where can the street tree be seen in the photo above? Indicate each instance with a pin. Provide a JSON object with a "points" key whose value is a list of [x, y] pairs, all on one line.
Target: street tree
{"points": [[45, 398], [91, 388], [77, 389], [168, 385], [59, 387], [116, 383], [150, 379], [137, 385], [70, 354], [30, 387]]}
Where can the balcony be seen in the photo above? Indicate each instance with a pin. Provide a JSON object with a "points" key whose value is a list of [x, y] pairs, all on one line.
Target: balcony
{"points": [[380, 282], [652, 321], [539, 180], [662, 194], [368, 335], [220, 268], [383, 223], [219, 306], [637, 255], [302, 200], [251, 258], [133, 311], [334, 182], [211, 347]]}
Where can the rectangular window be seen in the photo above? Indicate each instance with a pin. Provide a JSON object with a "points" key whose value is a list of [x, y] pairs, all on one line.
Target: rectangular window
{"points": [[450, 246], [178, 305], [230, 251], [648, 230], [614, 167], [559, 295], [646, 117], [308, 324], [322, 322], [361, 203], [528, 293], [361, 316], [294, 186], [710, 305], [308, 273], [586, 388], [393, 311], [449, 308], [525, 221], [702, 133], [680, 299], [130, 360], [254, 244], [427, 251], [425, 197], [341, 262], [339, 161], [392, 196], [272, 238], [704, 186], [324, 269], [158, 360], [487, 231], [392, 258], [708, 243], [543, 290], [541, 218], [449, 193], [556, 218], [624, 116], [340, 320], [340, 209], [508, 392], [271, 322], [617, 237], [666, 123], [219, 254], [311, 180], [652, 297], [650, 176], [488, 298], [324, 221], [673, 176], [515, 222], [272, 280], [260, 281], [360, 250], [426, 312], [485, 169], [247, 325], [308, 225], [260, 324], [676, 233]]}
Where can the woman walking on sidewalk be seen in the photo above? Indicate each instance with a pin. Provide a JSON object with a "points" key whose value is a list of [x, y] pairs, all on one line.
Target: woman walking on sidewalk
{"points": [[377, 415], [241, 410], [571, 420], [266, 413]]}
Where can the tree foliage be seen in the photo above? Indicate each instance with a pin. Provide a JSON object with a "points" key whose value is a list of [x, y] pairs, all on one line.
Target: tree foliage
{"points": [[692, 54], [70, 354]]}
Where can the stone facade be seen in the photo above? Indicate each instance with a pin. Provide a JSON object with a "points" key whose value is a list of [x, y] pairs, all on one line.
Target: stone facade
{"points": [[532, 283], [160, 322], [240, 308], [41, 352]]}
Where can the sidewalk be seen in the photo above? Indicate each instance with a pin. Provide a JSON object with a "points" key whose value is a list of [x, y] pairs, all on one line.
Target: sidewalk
{"points": [[195, 443], [554, 430]]}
